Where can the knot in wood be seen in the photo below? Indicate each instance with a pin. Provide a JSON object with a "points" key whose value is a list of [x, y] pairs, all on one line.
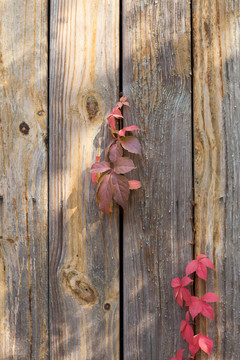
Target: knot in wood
{"points": [[24, 128], [80, 287], [92, 106]]}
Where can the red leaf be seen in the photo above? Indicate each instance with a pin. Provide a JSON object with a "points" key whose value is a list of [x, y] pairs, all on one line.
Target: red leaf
{"points": [[210, 297], [195, 306], [100, 167], [176, 282], [201, 271], [128, 128], [207, 310], [207, 263], [179, 355], [186, 281], [94, 176], [134, 184], [120, 189], [112, 122], [205, 344], [191, 267], [194, 346], [131, 144], [186, 331], [104, 194], [111, 142], [115, 151], [123, 165]]}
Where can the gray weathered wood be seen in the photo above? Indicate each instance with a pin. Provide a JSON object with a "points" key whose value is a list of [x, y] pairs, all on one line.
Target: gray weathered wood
{"points": [[156, 76], [84, 273], [217, 165], [23, 180]]}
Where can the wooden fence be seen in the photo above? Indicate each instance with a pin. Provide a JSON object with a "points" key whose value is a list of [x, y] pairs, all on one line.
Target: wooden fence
{"points": [[68, 275]]}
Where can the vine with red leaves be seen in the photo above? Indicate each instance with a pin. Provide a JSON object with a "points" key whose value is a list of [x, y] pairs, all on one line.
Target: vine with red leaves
{"points": [[196, 306], [108, 175]]}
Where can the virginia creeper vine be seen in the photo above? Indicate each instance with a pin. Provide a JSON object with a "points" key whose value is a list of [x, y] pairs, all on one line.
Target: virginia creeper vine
{"points": [[109, 175], [196, 306]]}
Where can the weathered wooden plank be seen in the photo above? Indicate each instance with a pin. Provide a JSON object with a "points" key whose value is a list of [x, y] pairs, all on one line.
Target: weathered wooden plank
{"points": [[156, 76], [217, 163], [84, 280], [23, 180]]}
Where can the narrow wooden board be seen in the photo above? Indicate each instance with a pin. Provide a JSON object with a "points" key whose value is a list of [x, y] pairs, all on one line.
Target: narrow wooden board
{"points": [[23, 180], [217, 164], [156, 76], [84, 252]]}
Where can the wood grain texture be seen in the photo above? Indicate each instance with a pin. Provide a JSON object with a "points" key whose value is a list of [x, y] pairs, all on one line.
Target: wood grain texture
{"points": [[23, 180], [217, 164], [156, 76], [84, 270]]}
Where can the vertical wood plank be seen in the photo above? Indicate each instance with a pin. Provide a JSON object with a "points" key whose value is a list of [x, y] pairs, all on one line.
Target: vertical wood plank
{"points": [[217, 164], [23, 180], [84, 271], [156, 76]]}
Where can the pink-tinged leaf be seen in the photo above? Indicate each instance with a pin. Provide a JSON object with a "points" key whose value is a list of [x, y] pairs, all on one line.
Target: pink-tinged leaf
{"points": [[100, 167], [123, 165], [134, 184], [186, 295], [187, 316], [187, 332], [186, 281], [194, 346], [123, 99], [191, 267], [210, 297], [112, 122], [178, 296], [180, 354], [115, 151], [120, 189], [201, 271], [104, 194], [128, 128], [207, 263], [111, 142], [95, 176], [205, 344], [176, 282], [207, 311], [119, 105], [131, 144], [195, 307], [116, 113]]}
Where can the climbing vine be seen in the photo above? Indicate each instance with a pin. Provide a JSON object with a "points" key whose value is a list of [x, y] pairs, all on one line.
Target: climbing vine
{"points": [[195, 306], [109, 175]]}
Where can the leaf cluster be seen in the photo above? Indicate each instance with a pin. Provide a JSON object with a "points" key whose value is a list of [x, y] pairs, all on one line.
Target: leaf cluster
{"points": [[196, 306], [109, 175]]}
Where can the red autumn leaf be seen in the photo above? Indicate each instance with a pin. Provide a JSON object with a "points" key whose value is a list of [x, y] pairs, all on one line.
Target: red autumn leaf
{"points": [[120, 188], [210, 297], [95, 176], [205, 343], [115, 151], [104, 194], [186, 329], [200, 266], [179, 289], [123, 165], [197, 306], [112, 122], [131, 144], [122, 102], [194, 346], [134, 184], [128, 128], [115, 114], [100, 167], [179, 355]]}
